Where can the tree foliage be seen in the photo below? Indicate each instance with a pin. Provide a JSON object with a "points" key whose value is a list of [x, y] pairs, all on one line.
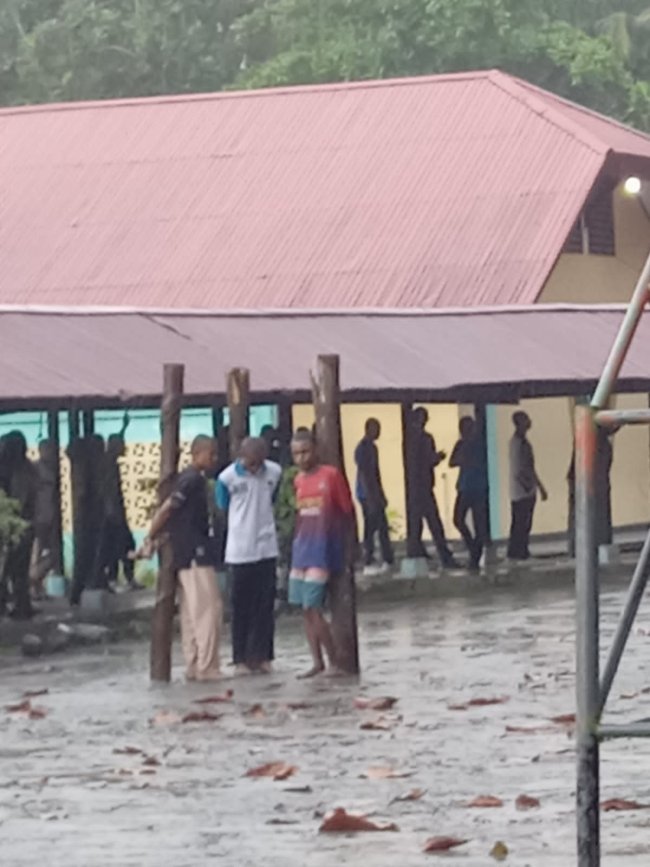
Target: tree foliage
{"points": [[594, 51]]}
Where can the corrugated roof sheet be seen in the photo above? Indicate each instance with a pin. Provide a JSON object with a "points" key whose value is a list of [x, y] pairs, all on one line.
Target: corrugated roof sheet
{"points": [[440, 191], [497, 354]]}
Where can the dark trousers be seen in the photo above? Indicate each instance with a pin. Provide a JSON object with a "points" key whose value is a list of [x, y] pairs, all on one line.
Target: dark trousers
{"points": [[374, 521], [520, 527], [473, 502], [253, 620], [427, 510]]}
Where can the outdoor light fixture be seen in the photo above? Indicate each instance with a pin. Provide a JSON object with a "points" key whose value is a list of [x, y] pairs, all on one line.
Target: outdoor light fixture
{"points": [[632, 186]]}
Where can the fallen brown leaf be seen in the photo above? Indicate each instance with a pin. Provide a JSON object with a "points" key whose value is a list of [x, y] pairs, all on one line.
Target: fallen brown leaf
{"points": [[525, 802], [565, 719], [485, 702], [621, 805], [149, 771], [277, 770], [299, 705], [151, 762], [22, 707], [381, 773], [413, 795], [216, 699], [37, 713], [499, 851], [127, 751], [201, 716], [485, 801], [35, 693], [457, 706], [531, 730], [342, 822], [384, 702], [381, 724], [442, 844], [256, 711]]}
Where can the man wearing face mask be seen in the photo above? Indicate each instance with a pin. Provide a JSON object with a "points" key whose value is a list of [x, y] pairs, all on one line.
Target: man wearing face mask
{"points": [[246, 491]]}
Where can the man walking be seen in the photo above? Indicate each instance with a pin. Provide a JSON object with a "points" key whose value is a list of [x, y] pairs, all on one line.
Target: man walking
{"points": [[422, 481], [185, 515], [324, 524], [370, 493], [524, 484], [246, 490], [472, 485]]}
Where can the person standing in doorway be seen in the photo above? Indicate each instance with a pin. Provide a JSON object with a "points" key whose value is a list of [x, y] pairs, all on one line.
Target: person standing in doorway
{"points": [[524, 485], [22, 486], [468, 455], [246, 491], [185, 514], [426, 458], [370, 494], [324, 527]]}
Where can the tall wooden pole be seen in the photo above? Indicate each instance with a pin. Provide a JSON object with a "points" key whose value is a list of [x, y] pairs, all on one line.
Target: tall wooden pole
{"points": [[238, 390], [82, 557], [342, 592], [57, 529], [162, 626]]}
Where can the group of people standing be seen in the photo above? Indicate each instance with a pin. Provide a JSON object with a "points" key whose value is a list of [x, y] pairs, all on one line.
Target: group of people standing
{"points": [[470, 458], [246, 492]]}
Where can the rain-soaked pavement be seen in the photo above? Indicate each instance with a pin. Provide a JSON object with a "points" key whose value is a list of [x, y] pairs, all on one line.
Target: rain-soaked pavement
{"points": [[68, 798]]}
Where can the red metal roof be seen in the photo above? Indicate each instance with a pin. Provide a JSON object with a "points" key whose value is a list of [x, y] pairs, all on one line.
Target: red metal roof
{"points": [[441, 191], [107, 357]]}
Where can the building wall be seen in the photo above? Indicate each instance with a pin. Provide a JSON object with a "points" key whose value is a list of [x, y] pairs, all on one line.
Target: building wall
{"points": [[582, 279]]}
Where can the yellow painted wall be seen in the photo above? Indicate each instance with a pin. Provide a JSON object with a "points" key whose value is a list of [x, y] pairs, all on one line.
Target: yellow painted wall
{"points": [[443, 424], [582, 279]]}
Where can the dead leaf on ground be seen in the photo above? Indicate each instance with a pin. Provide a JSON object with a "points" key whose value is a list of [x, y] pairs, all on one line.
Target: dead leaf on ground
{"points": [[565, 719], [621, 805], [148, 771], [380, 724], [216, 699], [201, 716], [499, 851], [299, 705], [277, 770], [128, 751], [37, 713], [35, 693], [384, 773], [22, 707], [151, 762], [384, 702], [485, 801], [255, 711], [526, 802], [342, 822], [531, 730], [299, 790], [413, 795], [442, 844], [165, 718], [282, 821], [486, 702]]}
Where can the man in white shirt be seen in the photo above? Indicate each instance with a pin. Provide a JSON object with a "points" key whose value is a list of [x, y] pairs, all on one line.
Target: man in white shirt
{"points": [[524, 484], [246, 490]]}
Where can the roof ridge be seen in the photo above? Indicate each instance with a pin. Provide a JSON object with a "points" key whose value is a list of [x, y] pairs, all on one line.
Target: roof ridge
{"points": [[536, 103], [209, 96]]}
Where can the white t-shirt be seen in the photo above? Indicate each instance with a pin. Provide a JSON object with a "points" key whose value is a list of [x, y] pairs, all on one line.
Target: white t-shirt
{"points": [[248, 499]]}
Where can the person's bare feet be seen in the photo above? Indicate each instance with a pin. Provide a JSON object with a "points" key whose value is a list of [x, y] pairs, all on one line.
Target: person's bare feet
{"points": [[242, 670], [313, 672], [265, 668]]}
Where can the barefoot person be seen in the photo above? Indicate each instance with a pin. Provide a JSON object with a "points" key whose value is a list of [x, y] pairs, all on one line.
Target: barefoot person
{"points": [[245, 491], [185, 515], [323, 518]]}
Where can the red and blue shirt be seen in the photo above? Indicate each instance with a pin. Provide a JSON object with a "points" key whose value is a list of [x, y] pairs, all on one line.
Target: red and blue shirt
{"points": [[323, 510]]}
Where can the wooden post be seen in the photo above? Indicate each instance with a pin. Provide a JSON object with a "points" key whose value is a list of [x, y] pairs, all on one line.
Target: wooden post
{"points": [[238, 390], [162, 626], [342, 591], [480, 415], [217, 420], [413, 544], [78, 495], [285, 430], [88, 418], [57, 530]]}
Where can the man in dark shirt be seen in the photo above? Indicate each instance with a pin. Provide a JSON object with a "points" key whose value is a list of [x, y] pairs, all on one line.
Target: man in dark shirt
{"points": [[468, 455], [185, 515], [370, 494], [422, 480]]}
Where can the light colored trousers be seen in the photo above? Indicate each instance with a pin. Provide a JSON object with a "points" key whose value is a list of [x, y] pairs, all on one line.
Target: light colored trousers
{"points": [[201, 616]]}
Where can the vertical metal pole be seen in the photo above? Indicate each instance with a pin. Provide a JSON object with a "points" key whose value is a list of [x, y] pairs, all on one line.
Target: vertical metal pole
{"points": [[162, 622], [413, 543], [587, 643], [238, 390], [57, 529]]}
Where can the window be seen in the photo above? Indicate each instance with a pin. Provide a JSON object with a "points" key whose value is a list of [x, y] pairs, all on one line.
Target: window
{"points": [[593, 231]]}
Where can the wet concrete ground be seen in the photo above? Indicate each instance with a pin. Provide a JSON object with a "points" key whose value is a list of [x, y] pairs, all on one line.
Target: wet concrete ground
{"points": [[66, 798]]}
